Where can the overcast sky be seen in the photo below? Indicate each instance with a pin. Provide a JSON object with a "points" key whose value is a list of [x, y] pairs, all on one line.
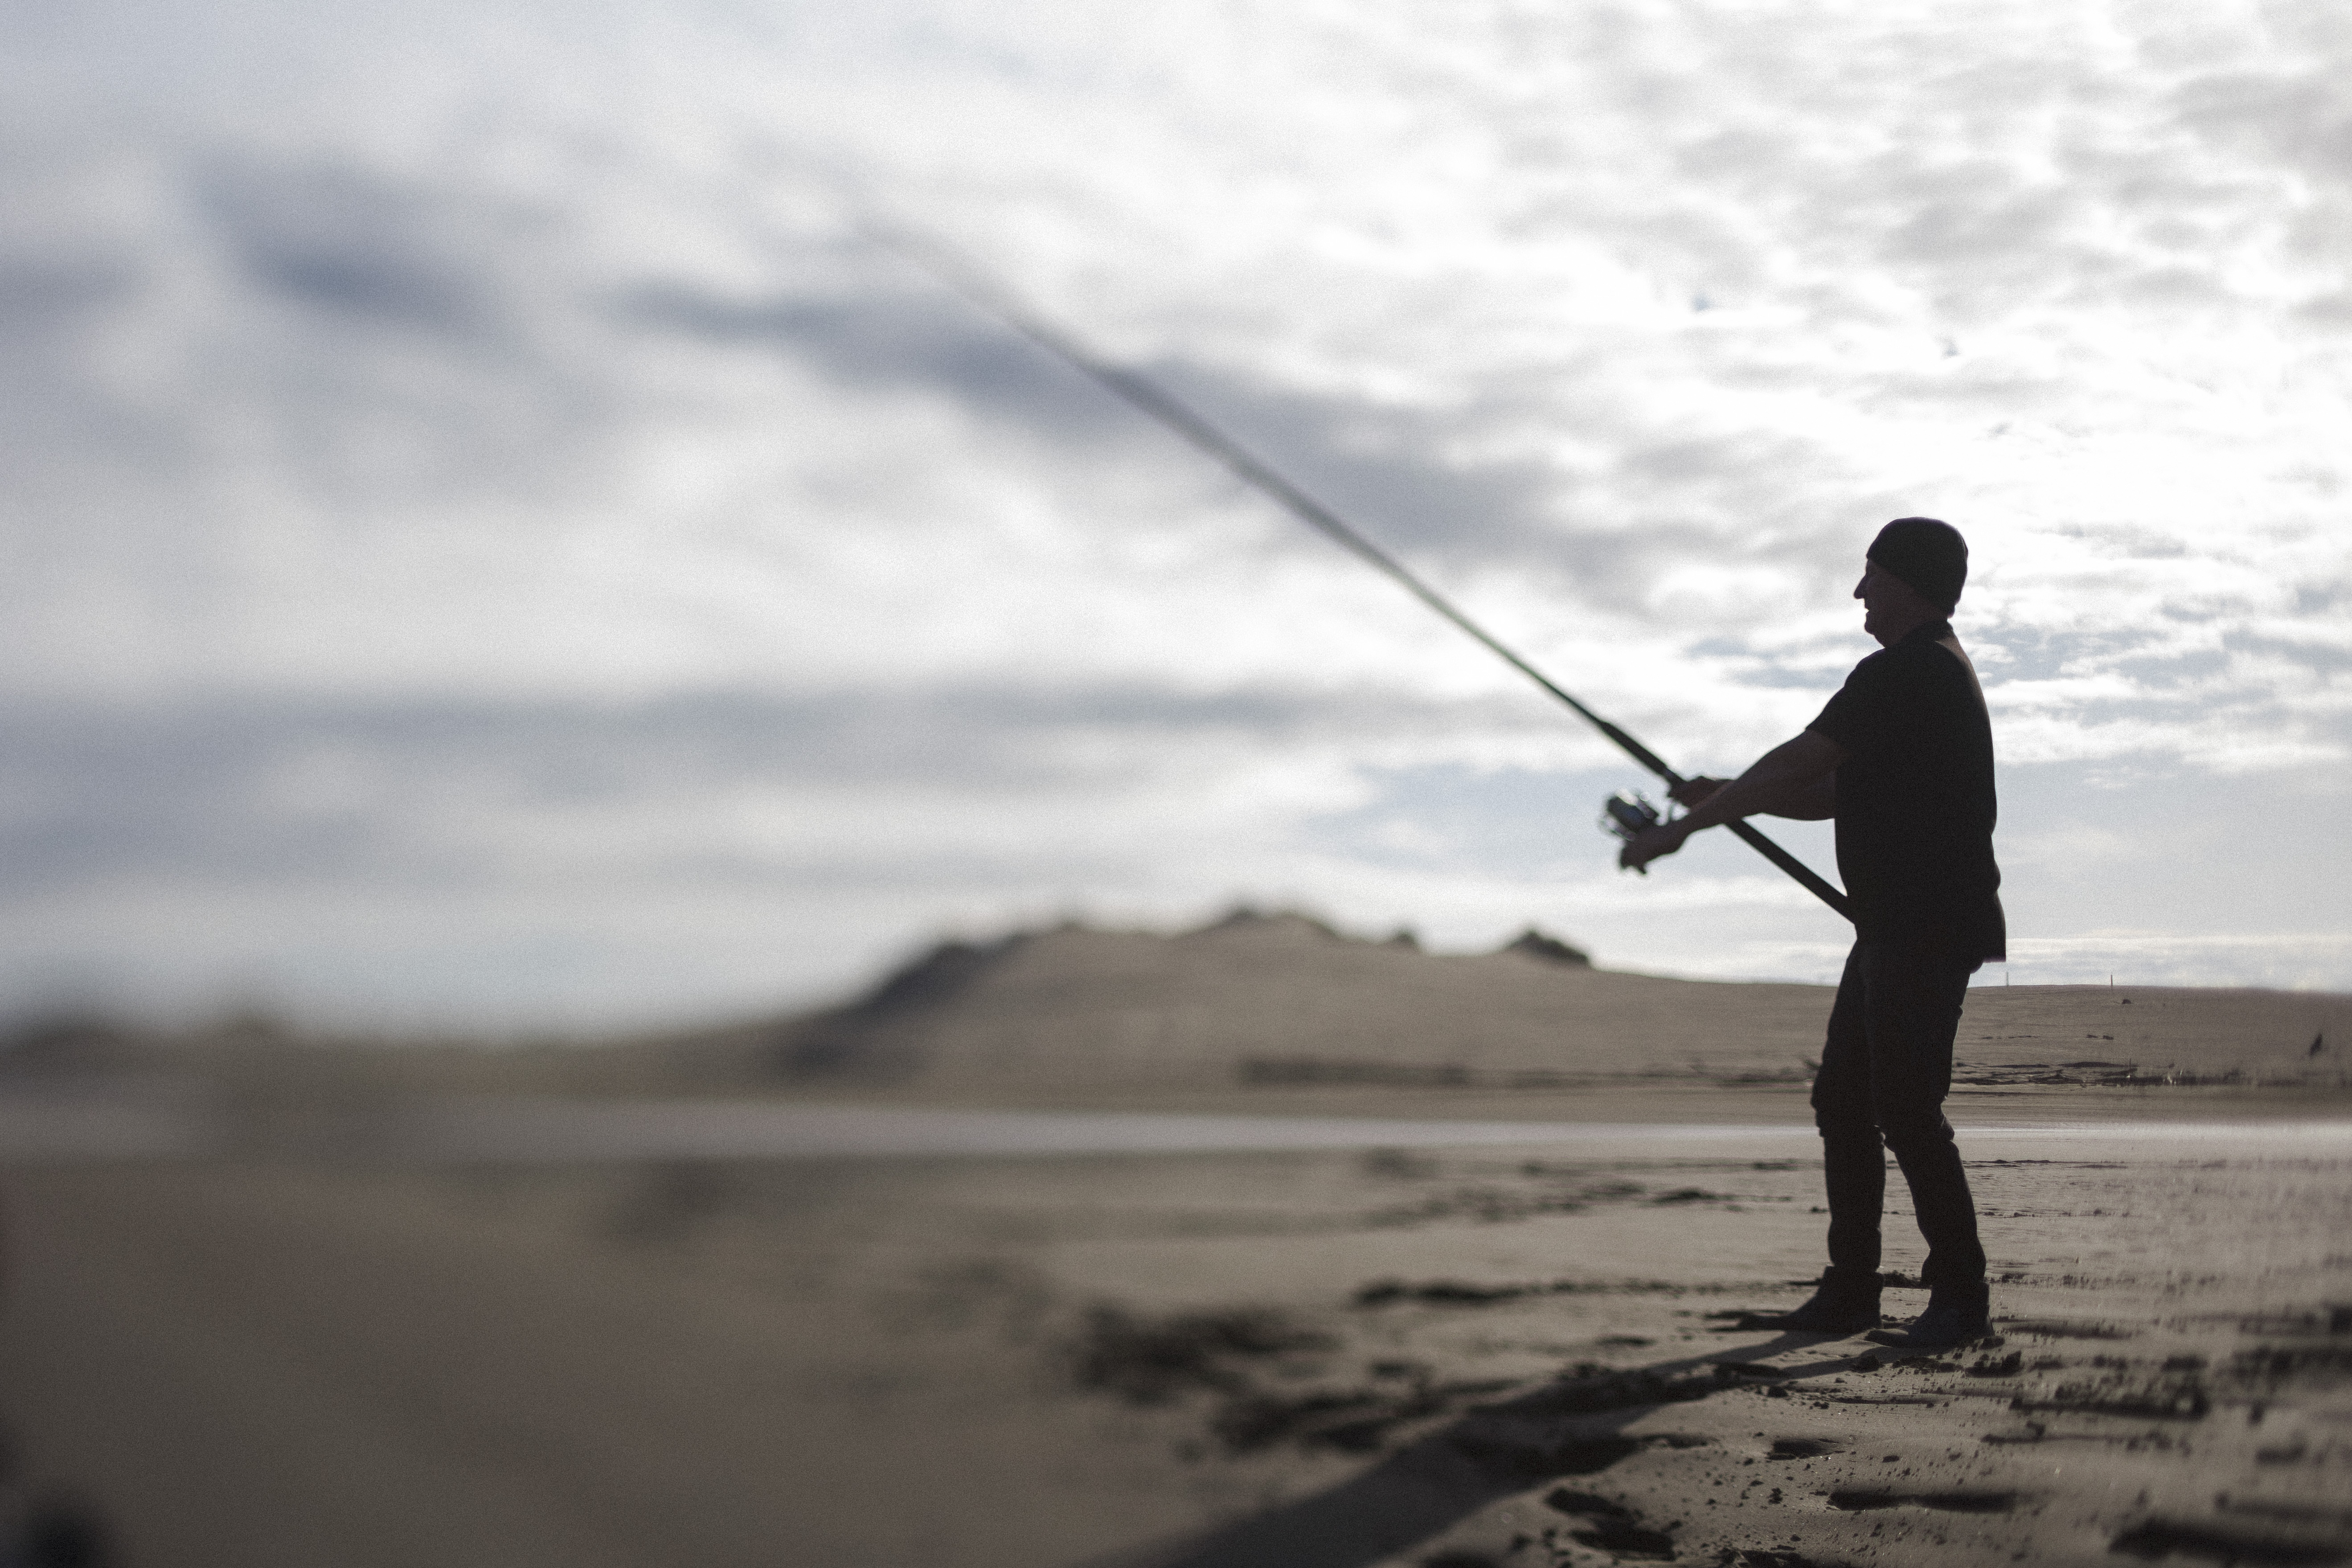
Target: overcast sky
{"points": [[491, 539]]}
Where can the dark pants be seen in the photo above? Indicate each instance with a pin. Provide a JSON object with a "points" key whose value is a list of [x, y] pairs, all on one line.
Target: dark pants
{"points": [[1884, 1072]]}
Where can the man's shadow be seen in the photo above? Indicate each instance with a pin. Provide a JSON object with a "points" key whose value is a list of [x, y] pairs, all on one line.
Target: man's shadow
{"points": [[1491, 1452]]}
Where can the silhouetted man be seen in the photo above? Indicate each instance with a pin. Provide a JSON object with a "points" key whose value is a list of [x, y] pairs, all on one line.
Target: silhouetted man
{"points": [[1902, 757]]}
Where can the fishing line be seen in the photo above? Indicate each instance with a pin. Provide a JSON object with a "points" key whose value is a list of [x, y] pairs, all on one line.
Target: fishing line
{"points": [[968, 279]]}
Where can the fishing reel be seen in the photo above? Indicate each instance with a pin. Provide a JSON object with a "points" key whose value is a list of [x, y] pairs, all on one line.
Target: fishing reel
{"points": [[1626, 814]]}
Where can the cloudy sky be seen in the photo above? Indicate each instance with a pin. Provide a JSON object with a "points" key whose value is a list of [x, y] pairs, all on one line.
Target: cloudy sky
{"points": [[492, 539]]}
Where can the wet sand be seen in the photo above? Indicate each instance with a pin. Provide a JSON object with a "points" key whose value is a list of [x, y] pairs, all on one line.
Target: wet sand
{"points": [[1345, 1357]]}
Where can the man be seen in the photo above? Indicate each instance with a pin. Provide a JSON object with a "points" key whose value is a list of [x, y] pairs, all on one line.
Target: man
{"points": [[1903, 758]]}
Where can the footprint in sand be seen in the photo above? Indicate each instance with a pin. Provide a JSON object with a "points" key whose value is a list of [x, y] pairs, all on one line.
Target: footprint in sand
{"points": [[1806, 1447], [1610, 1527], [1862, 1499]]}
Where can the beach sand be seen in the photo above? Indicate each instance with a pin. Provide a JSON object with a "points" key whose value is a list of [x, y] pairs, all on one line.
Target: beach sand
{"points": [[304, 1339], [1522, 1356]]}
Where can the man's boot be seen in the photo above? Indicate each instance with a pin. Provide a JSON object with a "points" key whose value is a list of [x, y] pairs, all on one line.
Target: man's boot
{"points": [[1846, 1304], [1956, 1315]]}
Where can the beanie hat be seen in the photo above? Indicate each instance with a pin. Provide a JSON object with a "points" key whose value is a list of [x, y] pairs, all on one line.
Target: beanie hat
{"points": [[1928, 554]]}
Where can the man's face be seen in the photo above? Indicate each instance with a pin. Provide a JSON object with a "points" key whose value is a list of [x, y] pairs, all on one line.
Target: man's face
{"points": [[1890, 607]]}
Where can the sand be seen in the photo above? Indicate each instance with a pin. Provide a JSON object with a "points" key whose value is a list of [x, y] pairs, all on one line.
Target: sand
{"points": [[297, 1341], [1383, 1357], [1276, 1002], [1259, 1005]]}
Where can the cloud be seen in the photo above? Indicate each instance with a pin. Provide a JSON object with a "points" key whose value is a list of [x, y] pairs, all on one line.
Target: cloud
{"points": [[461, 794], [473, 454]]}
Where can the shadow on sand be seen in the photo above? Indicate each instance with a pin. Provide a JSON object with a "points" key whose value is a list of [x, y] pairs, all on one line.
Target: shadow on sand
{"points": [[1571, 1427]]}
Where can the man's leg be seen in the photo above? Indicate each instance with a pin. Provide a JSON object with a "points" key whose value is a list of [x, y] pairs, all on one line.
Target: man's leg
{"points": [[1853, 1162], [1856, 1168], [1912, 1012]]}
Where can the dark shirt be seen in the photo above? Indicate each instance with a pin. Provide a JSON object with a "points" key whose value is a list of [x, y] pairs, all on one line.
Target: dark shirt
{"points": [[1914, 799]]}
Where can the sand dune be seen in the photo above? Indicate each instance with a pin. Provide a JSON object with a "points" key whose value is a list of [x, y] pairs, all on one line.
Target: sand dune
{"points": [[1283, 1001], [1280, 1013]]}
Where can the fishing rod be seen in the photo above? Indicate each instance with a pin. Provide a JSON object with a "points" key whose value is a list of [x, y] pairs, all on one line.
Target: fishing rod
{"points": [[1625, 815]]}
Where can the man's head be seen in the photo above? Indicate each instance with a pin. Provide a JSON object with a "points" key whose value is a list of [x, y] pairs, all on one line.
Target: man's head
{"points": [[1913, 575]]}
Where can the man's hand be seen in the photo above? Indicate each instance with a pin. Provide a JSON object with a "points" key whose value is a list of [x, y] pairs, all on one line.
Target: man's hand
{"points": [[1793, 779], [1650, 843]]}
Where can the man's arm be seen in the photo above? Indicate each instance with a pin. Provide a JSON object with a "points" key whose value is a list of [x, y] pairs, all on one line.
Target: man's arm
{"points": [[1815, 802], [1795, 773]]}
